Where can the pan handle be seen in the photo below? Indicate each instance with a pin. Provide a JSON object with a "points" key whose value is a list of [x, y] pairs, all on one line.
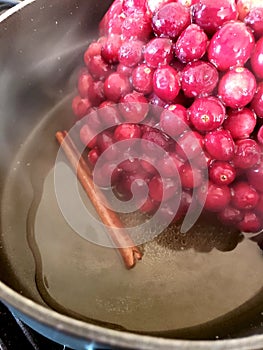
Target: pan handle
{"points": [[4, 5]]}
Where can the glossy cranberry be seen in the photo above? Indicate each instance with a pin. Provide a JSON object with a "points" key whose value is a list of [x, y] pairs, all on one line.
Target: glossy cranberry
{"points": [[199, 78], [134, 107], [257, 102], [127, 132], [142, 79], [110, 48], [96, 92], [250, 223], [222, 173], [93, 156], [230, 216], [220, 145], [124, 70], [231, 45], [257, 59], [116, 86], [154, 5], [243, 196], [88, 136], [158, 52], [254, 19], [237, 87], [214, 197], [166, 83], [94, 49], [260, 135], [162, 189], [170, 20], [106, 171], [131, 165], [111, 22], [130, 53], [108, 114], [191, 44], [105, 140], [189, 145], [245, 6], [130, 6], [240, 123], [247, 154], [84, 82], [190, 176], [255, 176], [167, 167], [80, 106], [154, 137], [207, 113], [98, 68], [137, 26], [132, 184], [211, 15], [203, 160], [173, 120]]}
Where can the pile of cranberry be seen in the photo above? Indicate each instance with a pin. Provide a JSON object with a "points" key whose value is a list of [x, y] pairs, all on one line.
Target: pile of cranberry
{"points": [[201, 63]]}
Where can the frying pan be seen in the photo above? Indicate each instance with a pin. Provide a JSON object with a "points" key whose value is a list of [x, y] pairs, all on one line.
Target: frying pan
{"points": [[200, 290]]}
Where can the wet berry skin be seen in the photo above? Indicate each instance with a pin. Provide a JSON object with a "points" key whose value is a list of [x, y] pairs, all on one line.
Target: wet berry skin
{"points": [[142, 79], [247, 154], [255, 176], [173, 120], [231, 45], [257, 59], [243, 196], [257, 102], [130, 53], [250, 222], [222, 173], [190, 176], [158, 52], [166, 83], [240, 123], [207, 113], [230, 216], [116, 86], [220, 145], [254, 19], [134, 107], [189, 145], [80, 106], [215, 197], [237, 87]]}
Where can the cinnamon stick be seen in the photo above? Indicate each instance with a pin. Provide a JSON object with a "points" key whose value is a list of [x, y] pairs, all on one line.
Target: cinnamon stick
{"points": [[129, 252]]}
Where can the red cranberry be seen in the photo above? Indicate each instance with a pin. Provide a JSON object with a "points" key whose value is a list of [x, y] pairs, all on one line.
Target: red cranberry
{"points": [[132, 183], [93, 156], [124, 70], [257, 59], [207, 113], [220, 145], [154, 137], [130, 6], [199, 78], [116, 86], [203, 160], [94, 49], [222, 173], [240, 123], [149, 206], [167, 166], [259, 207], [255, 176], [127, 132], [166, 83], [130, 53], [190, 177], [106, 171], [108, 114], [237, 87], [84, 82], [142, 79], [134, 107], [211, 15], [98, 68], [191, 44], [189, 145], [260, 135], [250, 223], [247, 154], [155, 5], [254, 19], [234, 41], [110, 49], [111, 22], [148, 165], [158, 52], [162, 189], [244, 196], [173, 120], [96, 92], [88, 136], [230, 216], [104, 140], [131, 165], [80, 106], [137, 26], [214, 197], [170, 20], [257, 102]]}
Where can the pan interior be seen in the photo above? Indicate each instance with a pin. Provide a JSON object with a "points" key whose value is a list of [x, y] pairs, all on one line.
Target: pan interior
{"points": [[206, 284]]}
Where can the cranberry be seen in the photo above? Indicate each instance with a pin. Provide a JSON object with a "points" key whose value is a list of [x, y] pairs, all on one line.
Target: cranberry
{"points": [[247, 154], [207, 113], [190, 177], [124, 70], [162, 189], [88, 136], [93, 156], [110, 48], [166, 83], [189, 145], [108, 114], [211, 15], [240, 123], [131, 165], [142, 77], [222, 173], [134, 107], [105, 140], [112, 19], [255, 176], [137, 26], [127, 132], [154, 137], [237, 87], [94, 49], [230, 216], [104, 172], [116, 86], [231, 45], [244, 196], [149, 206], [245, 6], [257, 102], [254, 19], [220, 145], [84, 82], [257, 59], [173, 120], [250, 223], [199, 78], [170, 20], [214, 197], [98, 68], [167, 166], [259, 207], [158, 52], [130, 6], [191, 44], [96, 92], [80, 106], [203, 160], [130, 53], [148, 165], [132, 184], [155, 5], [260, 135]]}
